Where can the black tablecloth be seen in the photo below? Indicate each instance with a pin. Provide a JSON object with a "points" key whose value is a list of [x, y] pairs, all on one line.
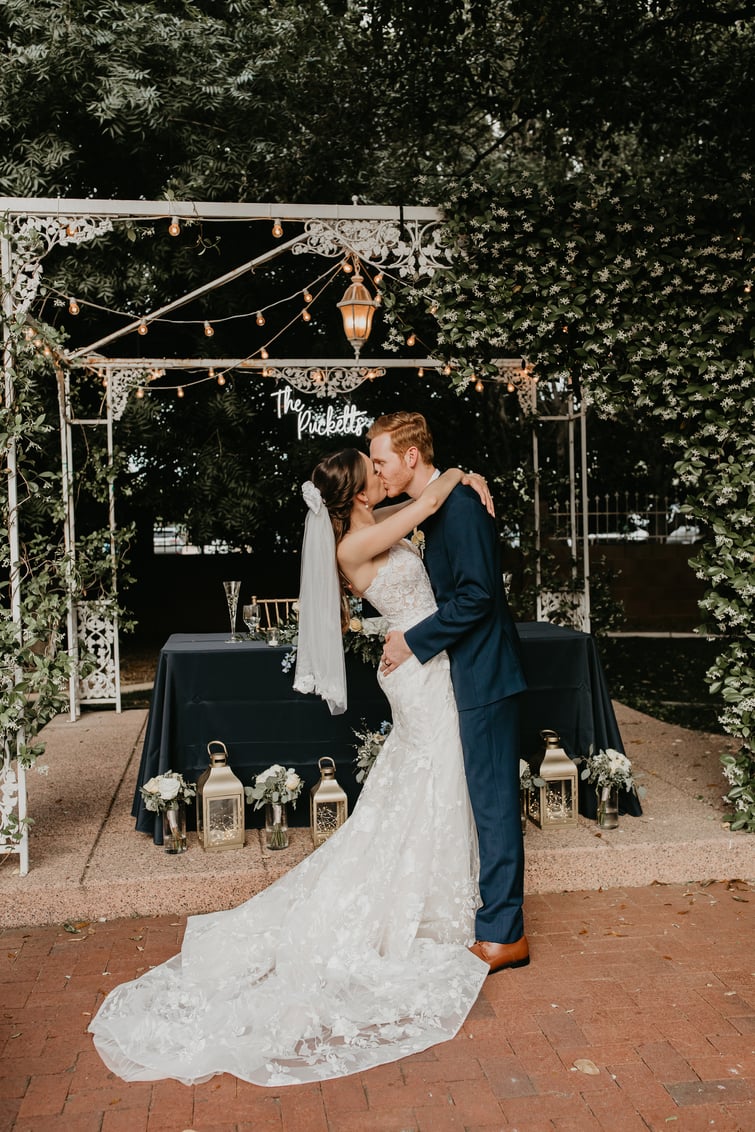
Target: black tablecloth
{"points": [[208, 688]]}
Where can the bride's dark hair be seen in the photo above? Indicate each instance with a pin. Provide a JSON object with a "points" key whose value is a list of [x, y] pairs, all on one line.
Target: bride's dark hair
{"points": [[338, 478]]}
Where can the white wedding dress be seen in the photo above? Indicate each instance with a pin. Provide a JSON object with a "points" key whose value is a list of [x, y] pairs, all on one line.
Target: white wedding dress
{"points": [[356, 957]]}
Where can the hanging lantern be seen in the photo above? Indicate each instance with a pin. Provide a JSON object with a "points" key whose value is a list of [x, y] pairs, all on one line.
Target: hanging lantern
{"points": [[328, 805], [357, 308], [220, 803], [554, 804]]}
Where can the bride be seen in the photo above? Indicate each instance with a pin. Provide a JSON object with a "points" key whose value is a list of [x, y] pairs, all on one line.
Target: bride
{"points": [[359, 955]]}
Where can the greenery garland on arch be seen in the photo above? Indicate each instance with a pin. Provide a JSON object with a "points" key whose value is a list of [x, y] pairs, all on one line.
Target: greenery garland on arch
{"points": [[644, 298]]}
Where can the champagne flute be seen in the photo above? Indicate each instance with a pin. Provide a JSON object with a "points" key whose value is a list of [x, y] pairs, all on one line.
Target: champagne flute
{"points": [[232, 597], [250, 615]]}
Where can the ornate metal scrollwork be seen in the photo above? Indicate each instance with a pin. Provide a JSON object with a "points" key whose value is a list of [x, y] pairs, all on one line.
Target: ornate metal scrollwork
{"points": [[32, 237], [412, 249], [520, 379], [327, 381], [8, 801], [120, 383], [97, 638]]}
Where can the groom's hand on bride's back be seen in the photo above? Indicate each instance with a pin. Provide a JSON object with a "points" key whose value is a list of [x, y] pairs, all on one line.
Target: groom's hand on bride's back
{"points": [[395, 652]]}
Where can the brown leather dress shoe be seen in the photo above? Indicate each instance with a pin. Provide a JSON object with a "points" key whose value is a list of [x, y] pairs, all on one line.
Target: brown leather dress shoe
{"points": [[500, 956]]}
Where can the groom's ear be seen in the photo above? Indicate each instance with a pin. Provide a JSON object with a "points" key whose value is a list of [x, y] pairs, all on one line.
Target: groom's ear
{"points": [[411, 456]]}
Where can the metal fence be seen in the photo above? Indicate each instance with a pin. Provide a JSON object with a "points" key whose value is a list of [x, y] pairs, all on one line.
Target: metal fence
{"points": [[623, 516]]}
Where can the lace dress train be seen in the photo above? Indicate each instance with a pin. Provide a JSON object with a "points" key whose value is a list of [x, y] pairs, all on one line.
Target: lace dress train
{"points": [[357, 956]]}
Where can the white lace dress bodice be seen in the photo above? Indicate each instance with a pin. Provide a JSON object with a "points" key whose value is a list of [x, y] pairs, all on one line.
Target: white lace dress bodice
{"points": [[358, 955]]}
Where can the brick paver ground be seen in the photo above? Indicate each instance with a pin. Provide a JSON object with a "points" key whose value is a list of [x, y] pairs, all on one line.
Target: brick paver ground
{"points": [[637, 1012]]}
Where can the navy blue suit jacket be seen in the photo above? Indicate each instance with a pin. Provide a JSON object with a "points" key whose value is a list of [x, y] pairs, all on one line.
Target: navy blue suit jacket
{"points": [[473, 621]]}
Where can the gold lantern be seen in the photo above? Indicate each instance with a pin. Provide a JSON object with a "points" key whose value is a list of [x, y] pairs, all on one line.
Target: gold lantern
{"points": [[220, 803], [328, 805], [357, 308], [554, 804]]}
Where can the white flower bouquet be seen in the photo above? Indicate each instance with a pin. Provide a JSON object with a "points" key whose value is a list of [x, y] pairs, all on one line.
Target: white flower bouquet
{"points": [[165, 791], [610, 768], [527, 780], [276, 784], [370, 746]]}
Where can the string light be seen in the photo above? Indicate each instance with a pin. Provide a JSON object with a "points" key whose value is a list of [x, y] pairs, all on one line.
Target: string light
{"points": [[277, 229], [221, 379], [73, 306], [208, 330], [260, 318], [479, 386], [180, 391], [139, 392], [411, 340], [142, 328], [510, 387], [421, 371], [306, 316], [307, 295], [264, 354], [211, 371], [748, 288], [71, 228], [378, 279], [447, 370], [174, 227], [346, 267]]}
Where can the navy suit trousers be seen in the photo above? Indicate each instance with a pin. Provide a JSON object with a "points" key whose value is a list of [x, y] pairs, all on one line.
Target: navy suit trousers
{"points": [[490, 738]]}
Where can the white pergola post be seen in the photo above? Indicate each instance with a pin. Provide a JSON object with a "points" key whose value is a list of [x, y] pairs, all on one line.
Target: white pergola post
{"points": [[12, 777]]}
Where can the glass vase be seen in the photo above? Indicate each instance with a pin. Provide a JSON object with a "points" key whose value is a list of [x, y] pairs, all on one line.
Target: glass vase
{"points": [[276, 825], [608, 807], [174, 828]]}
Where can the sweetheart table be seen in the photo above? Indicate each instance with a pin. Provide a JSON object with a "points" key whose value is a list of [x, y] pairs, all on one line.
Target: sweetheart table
{"points": [[207, 687]]}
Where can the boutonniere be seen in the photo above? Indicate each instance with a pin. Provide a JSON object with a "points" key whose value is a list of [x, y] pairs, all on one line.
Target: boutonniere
{"points": [[418, 540]]}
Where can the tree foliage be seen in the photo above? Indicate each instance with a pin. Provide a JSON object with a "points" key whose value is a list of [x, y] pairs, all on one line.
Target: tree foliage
{"points": [[608, 240]]}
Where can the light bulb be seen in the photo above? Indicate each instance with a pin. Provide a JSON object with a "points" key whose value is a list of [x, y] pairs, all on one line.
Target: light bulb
{"points": [[221, 379], [277, 229], [142, 328], [47, 351], [411, 340], [211, 372], [73, 306], [748, 288], [307, 296], [208, 330], [139, 392], [263, 353], [71, 228], [174, 227], [510, 387], [318, 376], [260, 318], [346, 267], [479, 386], [180, 391], [378, 279], [421, 372], [306, 316], [446, 369]]}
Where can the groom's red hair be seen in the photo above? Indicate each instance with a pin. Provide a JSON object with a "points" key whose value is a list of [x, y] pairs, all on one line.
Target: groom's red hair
{"points": [[407, 430]]}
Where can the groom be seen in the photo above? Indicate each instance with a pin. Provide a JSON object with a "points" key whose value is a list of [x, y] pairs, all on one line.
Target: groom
{"points": [[473, 622]]}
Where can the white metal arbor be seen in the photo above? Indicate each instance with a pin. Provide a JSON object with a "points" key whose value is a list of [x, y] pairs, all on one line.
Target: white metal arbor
{"points": [[408, 241]]}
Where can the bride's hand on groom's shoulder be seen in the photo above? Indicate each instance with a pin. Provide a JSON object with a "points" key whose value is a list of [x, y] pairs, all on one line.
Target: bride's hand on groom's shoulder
{"points": [[479, 484]]}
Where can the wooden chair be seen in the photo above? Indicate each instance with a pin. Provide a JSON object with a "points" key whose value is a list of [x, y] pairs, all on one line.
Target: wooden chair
{"points": [[275, 610]]}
